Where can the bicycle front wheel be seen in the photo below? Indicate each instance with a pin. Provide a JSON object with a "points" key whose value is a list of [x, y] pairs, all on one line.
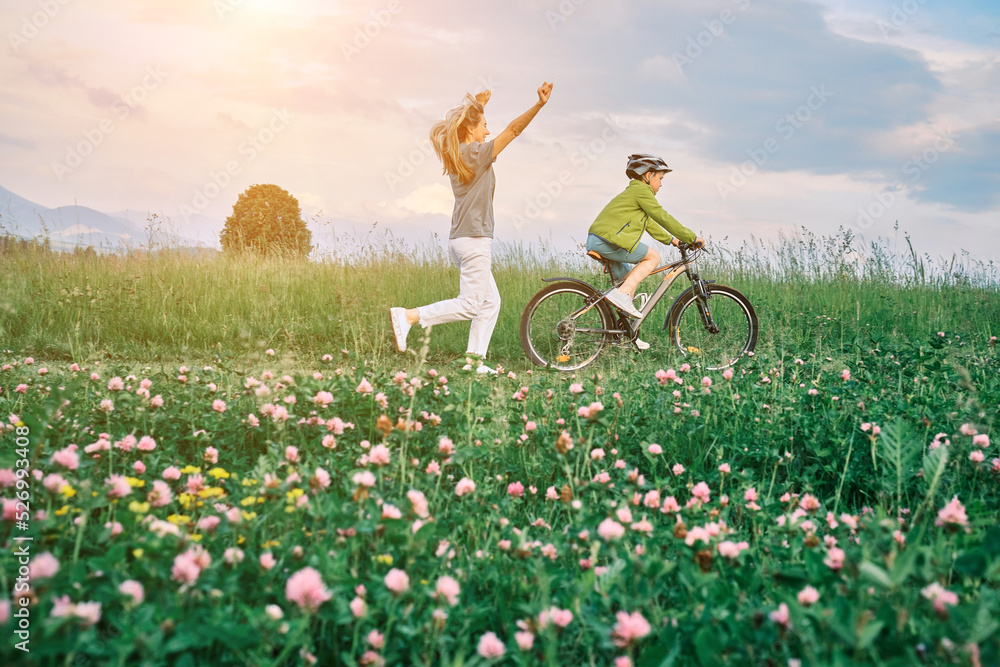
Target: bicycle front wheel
{"points": [[716, 333], [565, 326]]}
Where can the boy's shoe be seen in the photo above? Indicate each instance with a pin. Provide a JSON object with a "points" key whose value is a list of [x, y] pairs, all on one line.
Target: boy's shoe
{"points": [[621, 301], [400, 327], [641, 344]]}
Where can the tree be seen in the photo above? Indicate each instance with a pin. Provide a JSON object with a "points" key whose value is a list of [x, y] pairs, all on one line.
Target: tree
{"points": [[266, 220]]}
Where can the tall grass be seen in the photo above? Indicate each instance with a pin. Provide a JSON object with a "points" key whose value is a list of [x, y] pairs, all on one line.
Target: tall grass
{"points": [[176, 305]]}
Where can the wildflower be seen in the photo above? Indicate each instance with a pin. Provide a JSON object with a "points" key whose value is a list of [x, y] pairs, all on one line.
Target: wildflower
{"points": [[233, 555], [119, 486], [977, 456], [670, 505], [379, 455], [305, 588], [376, 639], [576, 388], [560, 617], [188, 565], [780, 615], [678, 469], [515, 490], [610, 530], [115, 384], [952, 514], [730, 549], [727, 374], [809, 503], [725, 469], [490, 646], [449, 589], [219, 405], [629, 628], [397, 581], [655, 449], [146, 444], [701, 492], [267, 560], [845, 375], [364, 387], [834, 558], [808, 596], [464, 486], [940, 596], [525, 640], [67, 458], [706, 382], [107, 405], [597, 454], [981, 440], [43, 566], [134, 590]]}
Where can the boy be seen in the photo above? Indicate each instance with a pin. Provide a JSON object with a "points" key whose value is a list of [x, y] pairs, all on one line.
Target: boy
{"points": [[616, 232]]}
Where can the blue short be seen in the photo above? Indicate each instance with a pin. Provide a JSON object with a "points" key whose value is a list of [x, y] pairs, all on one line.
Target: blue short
{"points": [[621, 259]]}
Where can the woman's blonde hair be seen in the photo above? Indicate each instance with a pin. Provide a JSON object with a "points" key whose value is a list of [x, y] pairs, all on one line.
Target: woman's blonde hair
{"points": [[448, 134]]}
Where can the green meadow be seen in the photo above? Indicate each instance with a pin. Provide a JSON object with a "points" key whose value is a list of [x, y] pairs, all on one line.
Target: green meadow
{"points": [[223, 460]]}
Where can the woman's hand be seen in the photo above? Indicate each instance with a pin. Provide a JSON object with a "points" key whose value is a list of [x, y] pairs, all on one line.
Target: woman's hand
{"points": [[543, 92]]}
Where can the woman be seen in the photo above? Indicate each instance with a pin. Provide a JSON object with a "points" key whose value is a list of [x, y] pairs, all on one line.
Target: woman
{"points": [[460, 142]]}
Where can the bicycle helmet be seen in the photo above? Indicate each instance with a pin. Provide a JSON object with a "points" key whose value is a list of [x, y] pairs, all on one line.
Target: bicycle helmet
{"points": [[640, 163]]}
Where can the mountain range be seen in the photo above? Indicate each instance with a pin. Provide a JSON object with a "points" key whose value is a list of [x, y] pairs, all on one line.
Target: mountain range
{"points": [[72, 226]]}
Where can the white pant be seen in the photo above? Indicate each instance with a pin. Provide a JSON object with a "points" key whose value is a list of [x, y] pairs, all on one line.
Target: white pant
{"points": [[478, 297]]}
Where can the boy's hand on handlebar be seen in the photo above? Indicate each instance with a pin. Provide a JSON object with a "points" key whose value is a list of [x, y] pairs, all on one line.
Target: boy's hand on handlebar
{"points": [[698, 243]]}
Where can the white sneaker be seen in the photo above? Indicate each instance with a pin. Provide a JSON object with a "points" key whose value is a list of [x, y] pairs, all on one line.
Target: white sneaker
{"points": [[641, 344], [400, 327], [621, 301], [482, 369]]}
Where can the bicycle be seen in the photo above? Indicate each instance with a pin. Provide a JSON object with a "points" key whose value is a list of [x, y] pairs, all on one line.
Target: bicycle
{"points": [[568, 323]]}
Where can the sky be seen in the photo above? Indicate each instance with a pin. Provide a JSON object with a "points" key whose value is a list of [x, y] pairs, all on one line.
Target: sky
{"points": [[882, 117]]}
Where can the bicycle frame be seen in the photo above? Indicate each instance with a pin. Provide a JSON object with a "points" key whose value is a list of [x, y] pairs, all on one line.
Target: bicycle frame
{"points": [[671, 272]]}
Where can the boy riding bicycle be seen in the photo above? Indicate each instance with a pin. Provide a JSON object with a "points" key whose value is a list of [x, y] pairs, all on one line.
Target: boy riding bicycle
{"points": [[616, 232]]}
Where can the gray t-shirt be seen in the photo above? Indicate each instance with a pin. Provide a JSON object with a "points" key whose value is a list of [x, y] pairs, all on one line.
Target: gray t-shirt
{"points": [[473, 215]]}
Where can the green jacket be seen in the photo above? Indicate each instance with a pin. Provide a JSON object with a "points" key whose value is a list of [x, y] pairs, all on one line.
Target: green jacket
{"points": [[629, 214]]}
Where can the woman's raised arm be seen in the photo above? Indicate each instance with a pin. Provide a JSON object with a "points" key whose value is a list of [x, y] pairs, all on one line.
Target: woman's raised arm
{"points": [[518, 124]]}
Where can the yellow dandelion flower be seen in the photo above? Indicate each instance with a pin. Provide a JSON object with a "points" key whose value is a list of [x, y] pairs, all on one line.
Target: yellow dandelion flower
{"points": [[137, 507], [260, 499], [195, 537], [249, 500], [249, 482], [248, 516], [289, 509], [137, 553], [62, 510], [240, 539], [93, 494], [67, 491], [294, 493], [211, 492], [178, 519], [270, 543], [135, 482], [385, 559], [219, 473], [190, 470]]}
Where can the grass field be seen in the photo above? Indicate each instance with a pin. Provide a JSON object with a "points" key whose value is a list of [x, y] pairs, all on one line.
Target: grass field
{"points": [[226, 462]]}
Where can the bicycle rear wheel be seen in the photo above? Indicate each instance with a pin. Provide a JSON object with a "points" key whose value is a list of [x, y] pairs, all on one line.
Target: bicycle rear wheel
{"points": [[730, 314], [565, 327]]}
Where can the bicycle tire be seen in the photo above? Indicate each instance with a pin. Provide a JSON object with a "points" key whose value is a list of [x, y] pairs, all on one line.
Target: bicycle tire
{"points": [[731, 311], [551, 340]]}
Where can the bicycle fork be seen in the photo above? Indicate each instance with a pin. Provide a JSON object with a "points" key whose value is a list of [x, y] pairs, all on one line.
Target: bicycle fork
{"points": [[702, 294]]}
